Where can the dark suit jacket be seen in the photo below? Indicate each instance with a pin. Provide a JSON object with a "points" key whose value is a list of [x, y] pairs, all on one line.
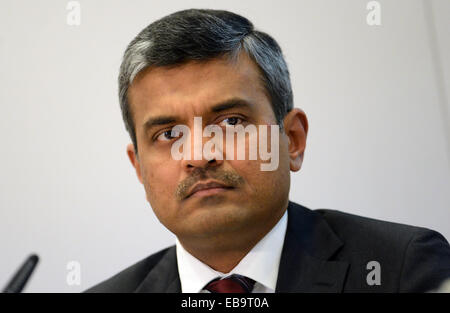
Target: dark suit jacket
{"points": [[324, 251]]}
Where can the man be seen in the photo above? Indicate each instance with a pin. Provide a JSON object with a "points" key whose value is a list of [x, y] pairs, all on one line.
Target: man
{"points": [[236, 229]]}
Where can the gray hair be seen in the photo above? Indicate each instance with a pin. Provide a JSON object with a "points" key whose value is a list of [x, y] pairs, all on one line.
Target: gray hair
{"points": [[197, 34]]}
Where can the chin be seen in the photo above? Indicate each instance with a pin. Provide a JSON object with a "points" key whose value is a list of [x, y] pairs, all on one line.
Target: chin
{"points": [[219, 219]]}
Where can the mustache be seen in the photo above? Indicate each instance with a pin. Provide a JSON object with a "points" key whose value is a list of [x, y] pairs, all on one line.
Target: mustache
{"points": [[228, 178]]}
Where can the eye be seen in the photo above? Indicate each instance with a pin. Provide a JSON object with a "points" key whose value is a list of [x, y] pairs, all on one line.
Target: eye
{"points": [[233, 120], [168, 135]]}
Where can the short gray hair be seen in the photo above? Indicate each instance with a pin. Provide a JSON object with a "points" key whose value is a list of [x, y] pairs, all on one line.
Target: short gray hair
{"points": [[198, 34]]}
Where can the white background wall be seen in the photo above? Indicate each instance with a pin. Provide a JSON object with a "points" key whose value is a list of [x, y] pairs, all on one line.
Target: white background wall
{"points": [[376, 98]]}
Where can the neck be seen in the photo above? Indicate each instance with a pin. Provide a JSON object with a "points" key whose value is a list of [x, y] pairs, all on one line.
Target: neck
{"points": [[224, 251]]}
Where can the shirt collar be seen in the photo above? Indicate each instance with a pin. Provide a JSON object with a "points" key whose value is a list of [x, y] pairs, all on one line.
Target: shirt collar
{"points": [[260, 264]]}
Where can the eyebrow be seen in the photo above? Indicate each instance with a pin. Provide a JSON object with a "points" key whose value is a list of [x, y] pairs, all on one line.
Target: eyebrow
{"points": [[218, 107], [232, 103], [159, 120]]}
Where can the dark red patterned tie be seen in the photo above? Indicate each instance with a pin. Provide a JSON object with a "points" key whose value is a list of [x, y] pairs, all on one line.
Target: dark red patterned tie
{"points": [[232, 284]]}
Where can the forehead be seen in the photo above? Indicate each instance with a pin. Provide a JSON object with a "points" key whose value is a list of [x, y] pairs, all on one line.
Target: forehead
{"points": [[191, 87]]}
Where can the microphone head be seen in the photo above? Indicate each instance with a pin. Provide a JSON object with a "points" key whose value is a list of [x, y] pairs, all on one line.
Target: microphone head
{"points": [[19, 280]]}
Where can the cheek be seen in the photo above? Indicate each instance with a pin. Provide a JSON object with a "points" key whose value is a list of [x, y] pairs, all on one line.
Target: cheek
{"points": [[265, 184], [257, 181], [159, 183]]}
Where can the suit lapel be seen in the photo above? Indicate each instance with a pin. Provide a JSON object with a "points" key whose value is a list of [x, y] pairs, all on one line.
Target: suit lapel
{"points": [[305, 264], [164, 275]]}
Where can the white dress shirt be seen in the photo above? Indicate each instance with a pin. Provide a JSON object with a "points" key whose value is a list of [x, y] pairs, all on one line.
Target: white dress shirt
{"points": [[260, 264]]}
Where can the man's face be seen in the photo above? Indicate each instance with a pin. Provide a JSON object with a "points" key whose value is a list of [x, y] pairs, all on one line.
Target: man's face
{"points": [[194, 89]]}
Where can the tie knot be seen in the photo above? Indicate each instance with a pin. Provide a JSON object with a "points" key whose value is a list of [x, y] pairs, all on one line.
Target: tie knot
{"points": [[231, 284]]}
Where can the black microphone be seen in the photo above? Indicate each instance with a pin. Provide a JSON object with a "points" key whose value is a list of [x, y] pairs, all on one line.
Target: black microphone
{"points": [[23, 274]]}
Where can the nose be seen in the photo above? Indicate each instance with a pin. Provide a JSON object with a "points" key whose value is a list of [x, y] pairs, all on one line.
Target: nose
{"points": [[203, 163], [203, 160]]}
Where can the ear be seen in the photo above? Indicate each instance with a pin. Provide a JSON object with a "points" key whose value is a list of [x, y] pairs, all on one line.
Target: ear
{"points": [[134, 159], [296, 129]]}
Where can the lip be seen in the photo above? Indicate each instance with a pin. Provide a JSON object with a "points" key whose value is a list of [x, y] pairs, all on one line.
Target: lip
{"points": [[209, 188]]}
